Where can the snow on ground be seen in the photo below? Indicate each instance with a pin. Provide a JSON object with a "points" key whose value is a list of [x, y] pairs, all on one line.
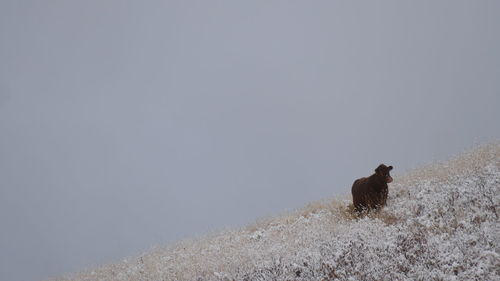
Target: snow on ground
{"points": [[441, 223]]}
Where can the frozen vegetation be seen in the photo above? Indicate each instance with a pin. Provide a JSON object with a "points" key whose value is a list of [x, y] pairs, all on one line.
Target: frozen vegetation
{"points": [[441, 223]]}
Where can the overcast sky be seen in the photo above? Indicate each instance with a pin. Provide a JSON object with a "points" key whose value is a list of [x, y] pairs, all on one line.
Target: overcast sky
{"points": [[128, 124]]}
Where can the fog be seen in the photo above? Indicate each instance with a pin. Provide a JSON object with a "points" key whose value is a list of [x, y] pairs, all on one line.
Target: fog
{"points": [[129, 124]]}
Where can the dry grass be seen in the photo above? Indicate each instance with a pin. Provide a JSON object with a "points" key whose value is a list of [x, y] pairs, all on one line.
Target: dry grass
{"points": [[465, 163]]}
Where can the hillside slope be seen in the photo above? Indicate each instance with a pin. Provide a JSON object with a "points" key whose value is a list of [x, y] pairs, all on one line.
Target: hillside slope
{"points": [[441, 223]]}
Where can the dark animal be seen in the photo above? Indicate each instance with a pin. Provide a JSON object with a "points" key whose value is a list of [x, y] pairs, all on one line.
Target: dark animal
{"points": [[371, 193]]}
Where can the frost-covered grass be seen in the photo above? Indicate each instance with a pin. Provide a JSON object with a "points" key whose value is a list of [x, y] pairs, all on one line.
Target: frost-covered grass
{"points": [[441, 223]]}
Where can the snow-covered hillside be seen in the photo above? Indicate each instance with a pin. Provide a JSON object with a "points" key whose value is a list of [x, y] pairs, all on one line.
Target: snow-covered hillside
{"points": [[441, 223]]}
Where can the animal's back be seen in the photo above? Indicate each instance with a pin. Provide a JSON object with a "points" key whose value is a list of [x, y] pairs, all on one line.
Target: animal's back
{"points": [[359, 185], [359, 190]]}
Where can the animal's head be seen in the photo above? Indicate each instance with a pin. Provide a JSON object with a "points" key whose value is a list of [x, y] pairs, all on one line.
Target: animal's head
{"points": [[383, 172]]}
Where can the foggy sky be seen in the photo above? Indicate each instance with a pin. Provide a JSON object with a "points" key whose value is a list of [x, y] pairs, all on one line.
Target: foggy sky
{"points": [[128, 124]]}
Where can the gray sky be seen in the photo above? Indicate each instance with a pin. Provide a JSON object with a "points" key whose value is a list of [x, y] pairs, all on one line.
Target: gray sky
{"points": [[127, 124]]}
